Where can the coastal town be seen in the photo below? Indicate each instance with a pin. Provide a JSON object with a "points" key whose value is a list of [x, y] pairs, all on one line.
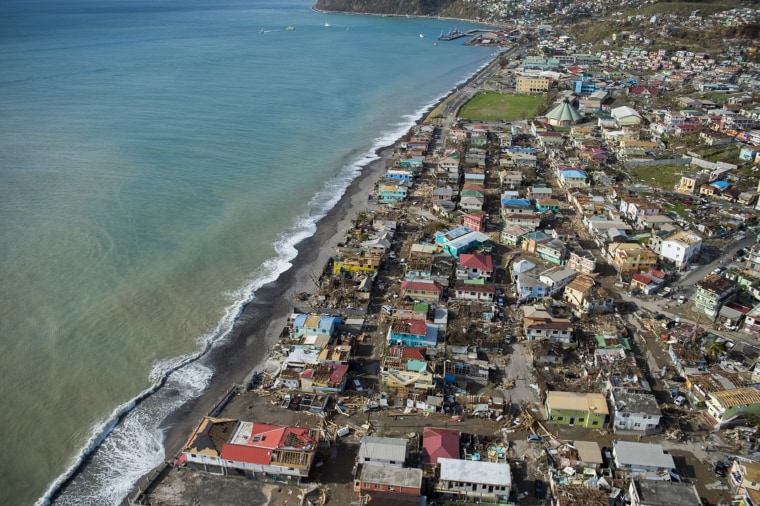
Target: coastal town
{"points": [[552, 296]]}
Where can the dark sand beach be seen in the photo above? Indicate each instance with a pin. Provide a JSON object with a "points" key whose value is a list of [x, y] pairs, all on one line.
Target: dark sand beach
{"points": [[262, 321]]}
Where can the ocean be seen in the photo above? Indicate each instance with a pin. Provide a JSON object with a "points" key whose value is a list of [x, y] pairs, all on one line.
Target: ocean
{"points": [[159, 160]]}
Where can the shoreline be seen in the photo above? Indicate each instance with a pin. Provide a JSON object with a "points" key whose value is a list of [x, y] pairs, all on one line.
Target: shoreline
{"points": [[273, 302], [421, 16], [259, 324]]}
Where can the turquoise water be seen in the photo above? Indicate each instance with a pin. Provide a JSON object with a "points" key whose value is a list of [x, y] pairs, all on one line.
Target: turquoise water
{"points": [[158, 160]]}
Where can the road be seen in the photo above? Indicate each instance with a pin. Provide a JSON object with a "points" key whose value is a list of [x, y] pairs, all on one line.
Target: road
{"points": [[688, 280], [686, 286], [520, 369]]}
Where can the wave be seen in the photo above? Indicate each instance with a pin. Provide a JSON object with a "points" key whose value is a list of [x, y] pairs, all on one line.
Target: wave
{"points": [[133, 437], [128, 438]]}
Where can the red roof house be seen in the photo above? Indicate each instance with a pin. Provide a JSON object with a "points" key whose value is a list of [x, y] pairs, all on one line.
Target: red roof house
{"points": [[472, 266], [424, 290], [439, 443], [254, 448]]}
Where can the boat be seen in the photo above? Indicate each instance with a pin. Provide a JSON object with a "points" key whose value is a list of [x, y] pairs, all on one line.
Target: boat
{"points": [[422, 35], [290, 28], [327, 24]]}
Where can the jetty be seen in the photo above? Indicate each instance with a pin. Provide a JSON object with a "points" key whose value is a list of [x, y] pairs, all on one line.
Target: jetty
{"points": [[456, 34]]}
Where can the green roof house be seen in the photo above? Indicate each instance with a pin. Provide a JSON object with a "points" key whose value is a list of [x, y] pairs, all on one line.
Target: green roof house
{"points": [[563, 115]]}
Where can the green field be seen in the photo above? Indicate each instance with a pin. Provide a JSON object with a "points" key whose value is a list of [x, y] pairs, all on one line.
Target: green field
{"points": [[492, 106], [660, 176]]}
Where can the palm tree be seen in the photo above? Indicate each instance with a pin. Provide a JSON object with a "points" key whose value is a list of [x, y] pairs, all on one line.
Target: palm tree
{"points": [[714, 350]]}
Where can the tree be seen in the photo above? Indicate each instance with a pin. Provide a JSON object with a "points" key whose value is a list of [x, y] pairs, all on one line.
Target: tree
{"points": [[714, 351]]}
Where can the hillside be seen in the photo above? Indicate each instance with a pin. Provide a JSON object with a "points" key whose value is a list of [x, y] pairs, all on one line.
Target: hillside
{"points": [[444, 8]]}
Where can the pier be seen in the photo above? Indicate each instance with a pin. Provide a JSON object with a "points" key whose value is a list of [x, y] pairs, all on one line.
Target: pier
{"points": [[456, 34]]}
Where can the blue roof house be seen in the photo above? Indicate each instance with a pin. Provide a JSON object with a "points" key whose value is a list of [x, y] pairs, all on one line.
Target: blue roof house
{"points": [[413, 332], [309, 324], [529, 287], [721, 185], [461, 240], [546, 205], [392, 192], [399, 175]]}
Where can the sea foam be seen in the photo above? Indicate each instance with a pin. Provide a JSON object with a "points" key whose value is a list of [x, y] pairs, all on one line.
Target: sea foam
{"points": [[129, 443]]}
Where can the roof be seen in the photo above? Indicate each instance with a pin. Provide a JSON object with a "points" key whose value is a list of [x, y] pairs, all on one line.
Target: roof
{"points": [[640, 278], [715, 283], [439, 443], [452, 234], [564, 112], [421, 285], [472, 237], [391, 475], [526, 265], [737, 397], [475, 471], [575, 401], [666, 493], [573, 173], [411, 326], [626, 402], [382, 448], [642, 455], [313, 321], [471, 287], [380, 498], [624, 111], [253, 442], [210, 435], [481, 262], [413, 353], [589, 452]]}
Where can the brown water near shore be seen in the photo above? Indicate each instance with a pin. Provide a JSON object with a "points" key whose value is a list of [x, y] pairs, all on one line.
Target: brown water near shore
{"points": [[263, 319]]}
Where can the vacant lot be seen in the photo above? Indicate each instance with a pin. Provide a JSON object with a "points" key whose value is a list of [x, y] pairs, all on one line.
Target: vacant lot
{"points": [[492, 106], [659, 176]]}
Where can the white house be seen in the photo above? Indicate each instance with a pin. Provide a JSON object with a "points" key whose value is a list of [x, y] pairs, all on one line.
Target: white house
{"points": [[662, 493], [474, 266], [389, 451], [474, 479], [646, 460], [635, 412], [681, 248], [475, 292], [556, 278]]}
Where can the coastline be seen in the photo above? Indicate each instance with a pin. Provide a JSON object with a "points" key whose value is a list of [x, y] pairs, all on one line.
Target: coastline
{"points": [[443, 18], [262, 320], [258, 326]]}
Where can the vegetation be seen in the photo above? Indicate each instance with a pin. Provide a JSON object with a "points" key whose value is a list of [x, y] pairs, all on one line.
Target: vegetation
{"points": [[446, 8], [681, 8], [492, 106], [661, 176]]}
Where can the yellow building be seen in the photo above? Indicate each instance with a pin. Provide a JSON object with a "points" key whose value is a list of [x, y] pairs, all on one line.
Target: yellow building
{"points": [[360, 262], [532, 84], [629, 257], [692, 183]]}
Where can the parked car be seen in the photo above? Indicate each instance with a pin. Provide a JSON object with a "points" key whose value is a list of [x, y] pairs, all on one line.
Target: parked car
{"points": [[678, 379], [680, 400], [538, 491]]}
